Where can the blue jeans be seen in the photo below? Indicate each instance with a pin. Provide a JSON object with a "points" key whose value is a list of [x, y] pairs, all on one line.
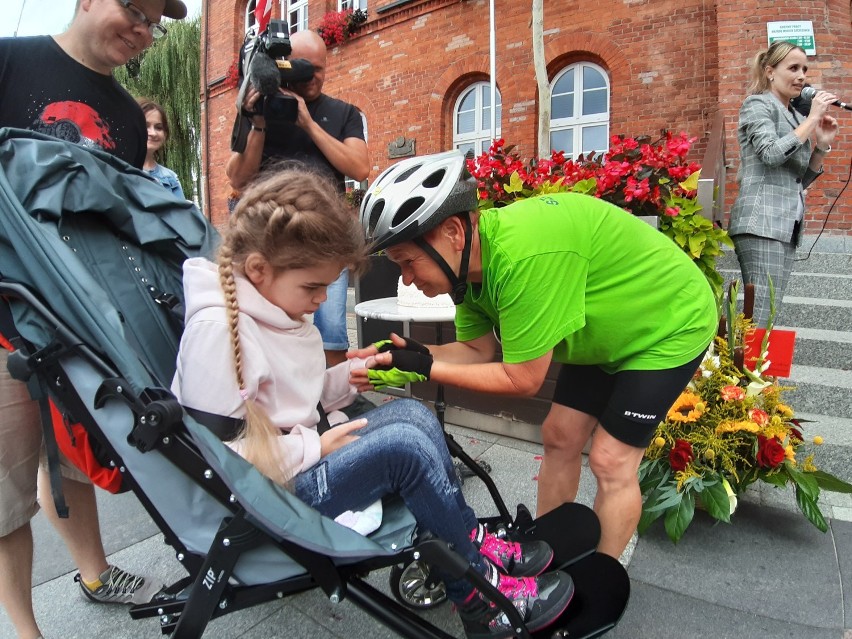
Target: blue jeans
{"points": [[401, 451], [330, 317]]}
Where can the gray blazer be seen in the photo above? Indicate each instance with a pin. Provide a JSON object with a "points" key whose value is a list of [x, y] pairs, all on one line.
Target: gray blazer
{"points": [[773, 169]]}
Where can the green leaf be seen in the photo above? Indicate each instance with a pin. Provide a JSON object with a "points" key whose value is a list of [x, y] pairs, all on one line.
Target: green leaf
{"points": [[669, 497], [716, 501], [776, 479], [691, 183], [827, 481], [515, 185], [648, 517], [804, 482], [679, 518], [809, 509]]}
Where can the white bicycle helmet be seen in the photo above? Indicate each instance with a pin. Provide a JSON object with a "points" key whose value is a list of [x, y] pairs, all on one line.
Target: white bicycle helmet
{"points": [[415, 195]]}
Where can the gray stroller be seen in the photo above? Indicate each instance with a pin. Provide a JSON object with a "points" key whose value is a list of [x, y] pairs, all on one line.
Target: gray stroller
{"points": [[90, 294]]}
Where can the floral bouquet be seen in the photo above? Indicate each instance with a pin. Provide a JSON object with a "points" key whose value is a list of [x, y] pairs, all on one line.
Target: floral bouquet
{"points": [[727, 430], [640, 176]]}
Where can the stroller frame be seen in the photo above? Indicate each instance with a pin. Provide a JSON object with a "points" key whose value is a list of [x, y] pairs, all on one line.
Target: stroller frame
{"points": [[95, 351]]}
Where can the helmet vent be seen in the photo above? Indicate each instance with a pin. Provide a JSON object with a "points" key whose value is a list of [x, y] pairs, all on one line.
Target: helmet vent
{"points": [[375, 214], [402, 177], [407, 209], [435, 179]]}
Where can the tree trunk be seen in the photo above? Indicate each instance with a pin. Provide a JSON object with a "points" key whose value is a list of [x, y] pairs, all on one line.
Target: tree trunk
{"points": [[541, 78]]}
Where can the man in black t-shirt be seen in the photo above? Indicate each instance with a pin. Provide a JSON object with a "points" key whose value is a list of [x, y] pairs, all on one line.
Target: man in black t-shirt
{"points": [[328, 135], [63, 86]]}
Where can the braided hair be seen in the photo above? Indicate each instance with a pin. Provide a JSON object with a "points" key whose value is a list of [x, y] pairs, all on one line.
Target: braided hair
{"points": [[294, 219]]}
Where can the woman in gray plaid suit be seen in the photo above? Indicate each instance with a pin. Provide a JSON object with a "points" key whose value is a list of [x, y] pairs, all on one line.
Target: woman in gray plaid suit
{"points": [[777, 162]]}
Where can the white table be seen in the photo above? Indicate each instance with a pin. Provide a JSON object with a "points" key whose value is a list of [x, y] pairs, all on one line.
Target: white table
{"points": [[387, 309]]}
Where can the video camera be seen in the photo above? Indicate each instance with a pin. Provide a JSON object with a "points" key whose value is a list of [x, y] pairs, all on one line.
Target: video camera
{"points": [[265, 62]]}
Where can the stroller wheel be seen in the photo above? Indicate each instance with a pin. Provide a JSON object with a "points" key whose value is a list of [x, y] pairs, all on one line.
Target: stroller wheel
{"points": [[414, 586]]}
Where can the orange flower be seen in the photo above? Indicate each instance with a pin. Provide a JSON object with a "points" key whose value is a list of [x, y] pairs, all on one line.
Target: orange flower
{"points": [[732, 393], [759, 417]]}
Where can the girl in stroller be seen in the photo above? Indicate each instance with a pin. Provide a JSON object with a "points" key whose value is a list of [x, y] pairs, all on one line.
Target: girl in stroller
{"points": [[248, 352]]}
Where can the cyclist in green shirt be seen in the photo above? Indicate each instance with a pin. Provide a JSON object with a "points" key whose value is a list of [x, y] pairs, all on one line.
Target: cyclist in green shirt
{"points": [[562, 278]]}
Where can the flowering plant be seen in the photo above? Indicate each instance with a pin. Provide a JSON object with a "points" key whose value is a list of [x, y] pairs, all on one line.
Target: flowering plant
{"points": [[640, 176], [727, 430], [336, 26]]}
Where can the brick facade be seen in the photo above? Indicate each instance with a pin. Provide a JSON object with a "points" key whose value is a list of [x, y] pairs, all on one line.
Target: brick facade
{"points": [[671, 64]]}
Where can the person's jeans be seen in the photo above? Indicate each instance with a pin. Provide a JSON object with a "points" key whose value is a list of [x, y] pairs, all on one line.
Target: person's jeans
{"points": [[330, 317], [402, 451]]}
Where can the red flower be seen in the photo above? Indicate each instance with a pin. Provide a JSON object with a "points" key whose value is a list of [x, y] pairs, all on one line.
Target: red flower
{"points": [[681, 454], [770, 452]]}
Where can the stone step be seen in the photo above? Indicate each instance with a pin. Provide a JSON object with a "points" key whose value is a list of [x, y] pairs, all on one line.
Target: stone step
{"points": [[833, 456], [824, 391], [815, 313], [833, 263], [819, 347]]}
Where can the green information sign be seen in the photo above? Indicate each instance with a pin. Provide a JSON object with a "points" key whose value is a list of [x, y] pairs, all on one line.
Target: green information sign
{"points": [[800, 33]]}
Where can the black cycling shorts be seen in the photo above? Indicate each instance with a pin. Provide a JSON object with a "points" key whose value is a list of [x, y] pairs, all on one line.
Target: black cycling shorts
{"points": [[629, 404]]}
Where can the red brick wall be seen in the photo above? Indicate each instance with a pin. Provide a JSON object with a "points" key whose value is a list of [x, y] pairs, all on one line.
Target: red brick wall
{"points": [[671, 64]]}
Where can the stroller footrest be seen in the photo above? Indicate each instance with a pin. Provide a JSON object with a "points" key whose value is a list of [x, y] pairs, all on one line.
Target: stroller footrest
{"points": [[601, 593], [572, 530]]}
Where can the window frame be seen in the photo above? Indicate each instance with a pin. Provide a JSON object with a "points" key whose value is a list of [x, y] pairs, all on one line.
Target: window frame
{"points": [[300, 8], [577, 123], [481, 137], [355, 5]]}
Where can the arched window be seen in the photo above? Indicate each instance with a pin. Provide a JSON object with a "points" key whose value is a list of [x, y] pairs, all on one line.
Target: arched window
{"points": [[250, 20], [579, 110], [472, 119], [297, 14]]}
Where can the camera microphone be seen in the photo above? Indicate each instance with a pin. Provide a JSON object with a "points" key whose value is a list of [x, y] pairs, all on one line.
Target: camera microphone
{"points": [[808, 93], [263, 74]]}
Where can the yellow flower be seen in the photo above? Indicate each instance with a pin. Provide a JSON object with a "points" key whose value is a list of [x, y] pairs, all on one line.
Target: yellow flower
{"points": [[710, 453], [733, 427], [785, 410], [659, 441], [818, 440], [789, 453], [686, 408]]}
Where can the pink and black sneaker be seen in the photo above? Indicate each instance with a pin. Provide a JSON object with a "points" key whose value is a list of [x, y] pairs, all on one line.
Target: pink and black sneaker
{"points": [[527, 559], [539, 600]]}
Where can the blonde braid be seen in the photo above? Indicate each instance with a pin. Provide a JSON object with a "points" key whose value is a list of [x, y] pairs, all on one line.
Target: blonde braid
{"points": [[258, 434]]}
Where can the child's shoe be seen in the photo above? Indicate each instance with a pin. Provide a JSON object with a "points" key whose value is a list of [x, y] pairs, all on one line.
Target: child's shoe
{"points": [[539, 600], [527, 559]]}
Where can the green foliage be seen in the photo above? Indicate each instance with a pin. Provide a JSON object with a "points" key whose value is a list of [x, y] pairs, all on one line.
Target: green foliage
{"points": [[169, 72]]}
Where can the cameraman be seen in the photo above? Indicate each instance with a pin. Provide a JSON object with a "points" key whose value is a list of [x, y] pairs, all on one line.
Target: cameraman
{"points": [[328, 135]]}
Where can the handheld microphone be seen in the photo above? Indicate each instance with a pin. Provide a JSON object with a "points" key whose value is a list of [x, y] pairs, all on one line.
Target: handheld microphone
{"points": [[808, 93], [263, 74]]}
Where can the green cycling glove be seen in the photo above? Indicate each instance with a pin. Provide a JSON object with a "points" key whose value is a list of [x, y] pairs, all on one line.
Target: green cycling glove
{"points": [[385, 345], [406, 366]]}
